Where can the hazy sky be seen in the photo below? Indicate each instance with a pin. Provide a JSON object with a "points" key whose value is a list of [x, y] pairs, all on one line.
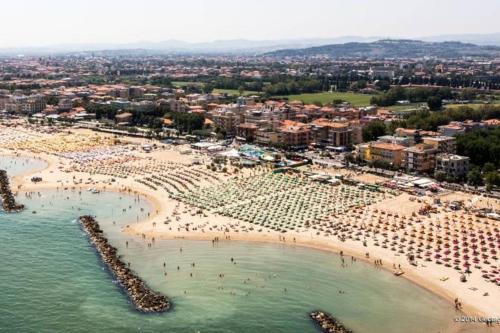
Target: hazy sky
{"points": [[45, 22]]}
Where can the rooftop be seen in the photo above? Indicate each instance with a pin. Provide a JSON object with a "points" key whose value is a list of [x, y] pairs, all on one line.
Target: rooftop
{"points": [[387, 146]]}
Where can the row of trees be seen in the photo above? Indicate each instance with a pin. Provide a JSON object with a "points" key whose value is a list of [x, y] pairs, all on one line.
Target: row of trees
{"points": [[148, 118], [479, 177], [481, 146], [430, 120], [187, 122], [414, 95], [293, 87]]}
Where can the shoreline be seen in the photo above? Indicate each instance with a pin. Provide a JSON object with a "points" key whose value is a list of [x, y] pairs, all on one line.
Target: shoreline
{"points": [[160, 210], [327, 248]]}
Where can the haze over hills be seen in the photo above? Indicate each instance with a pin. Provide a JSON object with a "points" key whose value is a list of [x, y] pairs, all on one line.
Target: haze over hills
{"points": [[243, 46], [177, 46], [391, 48]]}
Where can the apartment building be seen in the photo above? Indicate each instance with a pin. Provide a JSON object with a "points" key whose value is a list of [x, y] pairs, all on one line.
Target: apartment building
{"points": [[332, 133], [295, 134], [65, 103], [21, 104], [420, 158], [453, 165], [247, 131], [267, 137], [389, 152], [443, 144], [226, 119], [452, 129], [400, 140]]}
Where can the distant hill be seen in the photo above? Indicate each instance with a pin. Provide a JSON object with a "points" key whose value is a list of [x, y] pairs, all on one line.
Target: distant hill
{"points": [[478, 39], [242, 46], [393, 48], [172, 46]]}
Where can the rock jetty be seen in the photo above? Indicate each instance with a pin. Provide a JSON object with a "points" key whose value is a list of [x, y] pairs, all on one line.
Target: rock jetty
{"points": [[327, 323], [143, 298], [8, 202]]}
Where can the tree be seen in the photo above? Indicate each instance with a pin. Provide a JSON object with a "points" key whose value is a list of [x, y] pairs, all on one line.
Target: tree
{"points": [[358, 85], [395, 124], [188, 122], [434, 103], [52, 100], [241, 90], [373, 130], [383, 85], [481, 146], [492, 179], [208, 88], [474, 177], [381, 164], [488, 167], [440, 176], [467, 94]]}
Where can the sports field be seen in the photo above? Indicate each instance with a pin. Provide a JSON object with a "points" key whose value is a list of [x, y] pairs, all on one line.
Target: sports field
{"points": [[327, 97]]}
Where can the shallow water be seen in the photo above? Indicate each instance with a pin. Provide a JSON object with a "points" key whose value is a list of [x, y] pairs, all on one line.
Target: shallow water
{"points": [[19, 165], [52, 280]]}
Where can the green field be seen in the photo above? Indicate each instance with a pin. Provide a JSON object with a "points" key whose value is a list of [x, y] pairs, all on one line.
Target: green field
{"points": [[473, 106], [235, 92], [180, 84], [327, 97], [407, 107]]}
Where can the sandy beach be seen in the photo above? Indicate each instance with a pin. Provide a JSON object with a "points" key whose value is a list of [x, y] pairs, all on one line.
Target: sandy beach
{"points": [[189, 203]]}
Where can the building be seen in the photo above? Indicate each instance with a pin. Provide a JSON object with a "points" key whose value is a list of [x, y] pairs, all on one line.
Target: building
{"points": [[136, 92], [443, 144], [414, 135], [389, 152], [247, 131], [490, 123], [363, 151], [400, 140], [34, 104], [420, 158], [295, 134], [142, 106], [3, 100], [266, 117], [176, 105], [381, 73], [337, 134], [22, 104], [226, 120], [65, 104], [455, 166], [120, 104], [452, 129], [124, 118], [357, 132], [267, 137]]}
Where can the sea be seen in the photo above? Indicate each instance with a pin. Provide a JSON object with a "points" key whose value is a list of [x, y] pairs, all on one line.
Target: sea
{"points": [[52, 280]]}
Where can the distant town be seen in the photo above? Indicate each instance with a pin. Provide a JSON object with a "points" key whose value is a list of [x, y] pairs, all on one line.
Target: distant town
{"points": [[427, 116]]}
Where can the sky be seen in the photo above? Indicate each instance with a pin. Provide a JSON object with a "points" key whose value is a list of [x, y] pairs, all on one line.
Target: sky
{"points": [[50, 22]]}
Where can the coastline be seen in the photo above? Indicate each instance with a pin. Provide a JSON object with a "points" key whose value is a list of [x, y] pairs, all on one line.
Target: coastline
{"points": [[329, 248], [157, 199]]}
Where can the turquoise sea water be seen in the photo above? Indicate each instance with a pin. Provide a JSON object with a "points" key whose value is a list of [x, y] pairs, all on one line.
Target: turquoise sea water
{"points": [[51, 279], [20, 165]]}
